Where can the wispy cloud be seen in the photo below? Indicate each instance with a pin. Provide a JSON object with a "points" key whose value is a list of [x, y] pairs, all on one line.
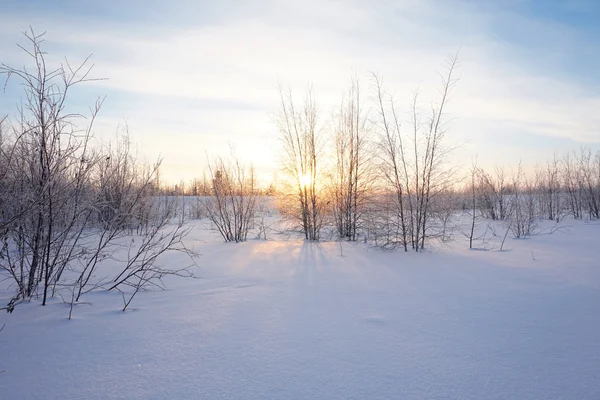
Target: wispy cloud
{"points": [[192, 76]]}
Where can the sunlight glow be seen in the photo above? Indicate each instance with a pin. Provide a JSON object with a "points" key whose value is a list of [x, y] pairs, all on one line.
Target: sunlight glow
{"points": [[304, 180]]}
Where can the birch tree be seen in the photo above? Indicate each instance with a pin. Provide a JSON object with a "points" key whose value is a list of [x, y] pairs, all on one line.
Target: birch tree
{"points": [[352, 174], [414, 162], [301, 145]]}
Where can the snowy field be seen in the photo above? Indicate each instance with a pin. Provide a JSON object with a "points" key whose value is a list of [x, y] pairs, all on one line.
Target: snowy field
{"points": [[285, 319]]}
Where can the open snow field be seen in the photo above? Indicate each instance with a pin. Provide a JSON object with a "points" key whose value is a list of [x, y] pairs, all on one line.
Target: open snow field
{"points": [[285, 319]]}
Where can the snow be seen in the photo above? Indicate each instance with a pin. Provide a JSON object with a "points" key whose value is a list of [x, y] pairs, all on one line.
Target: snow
{"points": [[286, 319]]}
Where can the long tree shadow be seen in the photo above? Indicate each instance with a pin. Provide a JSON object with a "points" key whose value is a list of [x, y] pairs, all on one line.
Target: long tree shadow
{"points": [[311, 263]]}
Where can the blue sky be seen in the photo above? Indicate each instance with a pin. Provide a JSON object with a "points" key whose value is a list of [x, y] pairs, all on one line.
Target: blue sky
{"points": [[190, 77]]}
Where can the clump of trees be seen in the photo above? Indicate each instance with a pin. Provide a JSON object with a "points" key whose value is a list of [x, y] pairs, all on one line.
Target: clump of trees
{"points": [[232, 205], [565, 186], [370, 173], [413, 162], [301, 156], [66, 201], [382, 181], [352, 176]]}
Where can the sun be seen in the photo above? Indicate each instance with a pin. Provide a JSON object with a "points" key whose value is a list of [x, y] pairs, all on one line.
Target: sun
{"points": [[304, 180]]}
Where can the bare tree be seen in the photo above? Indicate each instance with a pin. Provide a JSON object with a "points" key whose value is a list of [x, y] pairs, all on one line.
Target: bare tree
{"points": [[352, 177], [522, 216], [394, 164], [232, 205], [549, 189], [301, 152], [493, 193], [572, 180], [124, 203], [589, 164], [414, 164], [53, 167], [142, 269], [68, 200], [473, 203]]}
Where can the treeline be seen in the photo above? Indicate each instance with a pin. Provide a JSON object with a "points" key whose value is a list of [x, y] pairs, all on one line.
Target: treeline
{"points": [[566, 186], [200, 187]]}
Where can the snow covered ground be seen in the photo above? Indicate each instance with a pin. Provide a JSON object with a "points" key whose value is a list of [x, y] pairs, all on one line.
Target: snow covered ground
{"points": [[285, 319]]}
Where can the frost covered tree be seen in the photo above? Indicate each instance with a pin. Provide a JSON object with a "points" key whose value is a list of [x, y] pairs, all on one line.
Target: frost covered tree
{"points": [[65, 200], [51, 172]]}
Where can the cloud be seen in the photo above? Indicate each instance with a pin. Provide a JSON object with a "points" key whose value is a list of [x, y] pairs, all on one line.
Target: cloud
{"points": [[206, 73]]}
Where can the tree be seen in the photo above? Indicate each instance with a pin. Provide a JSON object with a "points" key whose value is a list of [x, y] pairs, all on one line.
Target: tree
{"points": [[301, 153], [51, 173], [572, 180], [549, 189], [232, 204], [589, 164], [522, 214], [473, 203], [493, 193], [66, 201], [413, 164], [352, 177]]}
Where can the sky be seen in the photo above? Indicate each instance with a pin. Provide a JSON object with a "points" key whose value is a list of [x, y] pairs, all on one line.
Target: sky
{"points": [[191, 78]]}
